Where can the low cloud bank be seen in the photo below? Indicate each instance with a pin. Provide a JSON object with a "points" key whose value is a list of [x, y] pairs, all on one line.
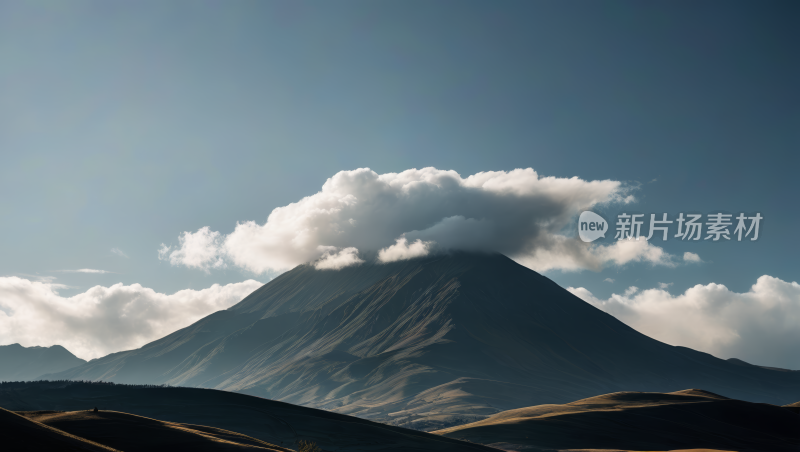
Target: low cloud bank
{"points": [[758, 326], [418, 212], [104, 320]]}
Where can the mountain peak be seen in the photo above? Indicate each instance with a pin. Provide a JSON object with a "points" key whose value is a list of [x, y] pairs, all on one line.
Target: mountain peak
{"points": [[319, 287], [27, 363]]}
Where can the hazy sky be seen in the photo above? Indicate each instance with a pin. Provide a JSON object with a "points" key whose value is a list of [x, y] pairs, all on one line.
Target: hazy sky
{"points": [[125, 124]]}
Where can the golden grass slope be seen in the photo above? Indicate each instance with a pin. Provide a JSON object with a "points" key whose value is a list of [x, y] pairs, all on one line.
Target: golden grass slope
{"points": [[133, 433], [689, 419], [18, 433]]}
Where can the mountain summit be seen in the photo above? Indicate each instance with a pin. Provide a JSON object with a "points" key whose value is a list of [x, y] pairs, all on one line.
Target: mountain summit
{"points": [[426, 343]]}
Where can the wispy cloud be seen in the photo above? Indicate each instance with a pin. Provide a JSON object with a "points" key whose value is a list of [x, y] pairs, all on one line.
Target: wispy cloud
{"points": [[664, 286], [608, 280], [631, 290], [85, 270], [43, 279], [119, 252]]}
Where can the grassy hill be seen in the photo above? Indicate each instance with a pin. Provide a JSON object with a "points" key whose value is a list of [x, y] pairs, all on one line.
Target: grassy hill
{"points": [[227, 416], [640, 421]]}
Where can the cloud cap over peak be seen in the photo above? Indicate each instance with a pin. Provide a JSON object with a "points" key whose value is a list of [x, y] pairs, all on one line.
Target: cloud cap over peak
{"points": [[416, 212]]}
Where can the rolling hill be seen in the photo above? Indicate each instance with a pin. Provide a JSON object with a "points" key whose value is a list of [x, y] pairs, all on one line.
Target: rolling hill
{"points": [[28, 363], [18, 433], [426, 343], [132, 433], [128, 414], [640, 421]]}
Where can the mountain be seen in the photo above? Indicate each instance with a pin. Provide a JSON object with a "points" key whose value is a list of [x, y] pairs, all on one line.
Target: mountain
{"points": [[426, 343], [28, 363], [640, 421], [152, 411]]}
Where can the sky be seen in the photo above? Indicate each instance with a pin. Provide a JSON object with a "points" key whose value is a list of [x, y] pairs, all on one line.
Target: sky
{"points": [[146, 144]]}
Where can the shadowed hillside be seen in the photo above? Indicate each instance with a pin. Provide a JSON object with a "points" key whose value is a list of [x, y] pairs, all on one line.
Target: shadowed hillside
{"points": [[28, 363], [227, 416], [640, 421], [133, 433], [426, 343], [18, 433]]}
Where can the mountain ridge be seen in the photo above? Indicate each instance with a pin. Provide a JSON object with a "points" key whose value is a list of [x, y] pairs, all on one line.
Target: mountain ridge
{"points": [[28, 363]]}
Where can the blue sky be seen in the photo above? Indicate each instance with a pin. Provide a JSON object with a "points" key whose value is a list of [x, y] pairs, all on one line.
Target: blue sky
{"points": [[123, 125]]}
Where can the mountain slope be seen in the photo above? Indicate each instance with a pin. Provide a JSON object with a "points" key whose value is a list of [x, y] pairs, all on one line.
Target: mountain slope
{"points": [[426, 343], [27, 363], [640, 421]]}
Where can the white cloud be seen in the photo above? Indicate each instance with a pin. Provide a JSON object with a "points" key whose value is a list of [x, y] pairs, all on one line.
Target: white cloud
{"points": [[691, 257], [631, 290], [119, 252], [85, 270], [401, 250], [758, 326], [566, 253], [664, 286], [103, 320], [608, 280], [402, 215], [622, 252], [333, 260], [43, 279], [198, 250]]}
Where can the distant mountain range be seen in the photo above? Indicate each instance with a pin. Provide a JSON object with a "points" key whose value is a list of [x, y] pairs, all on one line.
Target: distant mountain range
{"points": [[426, 343], [28, 363]]}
